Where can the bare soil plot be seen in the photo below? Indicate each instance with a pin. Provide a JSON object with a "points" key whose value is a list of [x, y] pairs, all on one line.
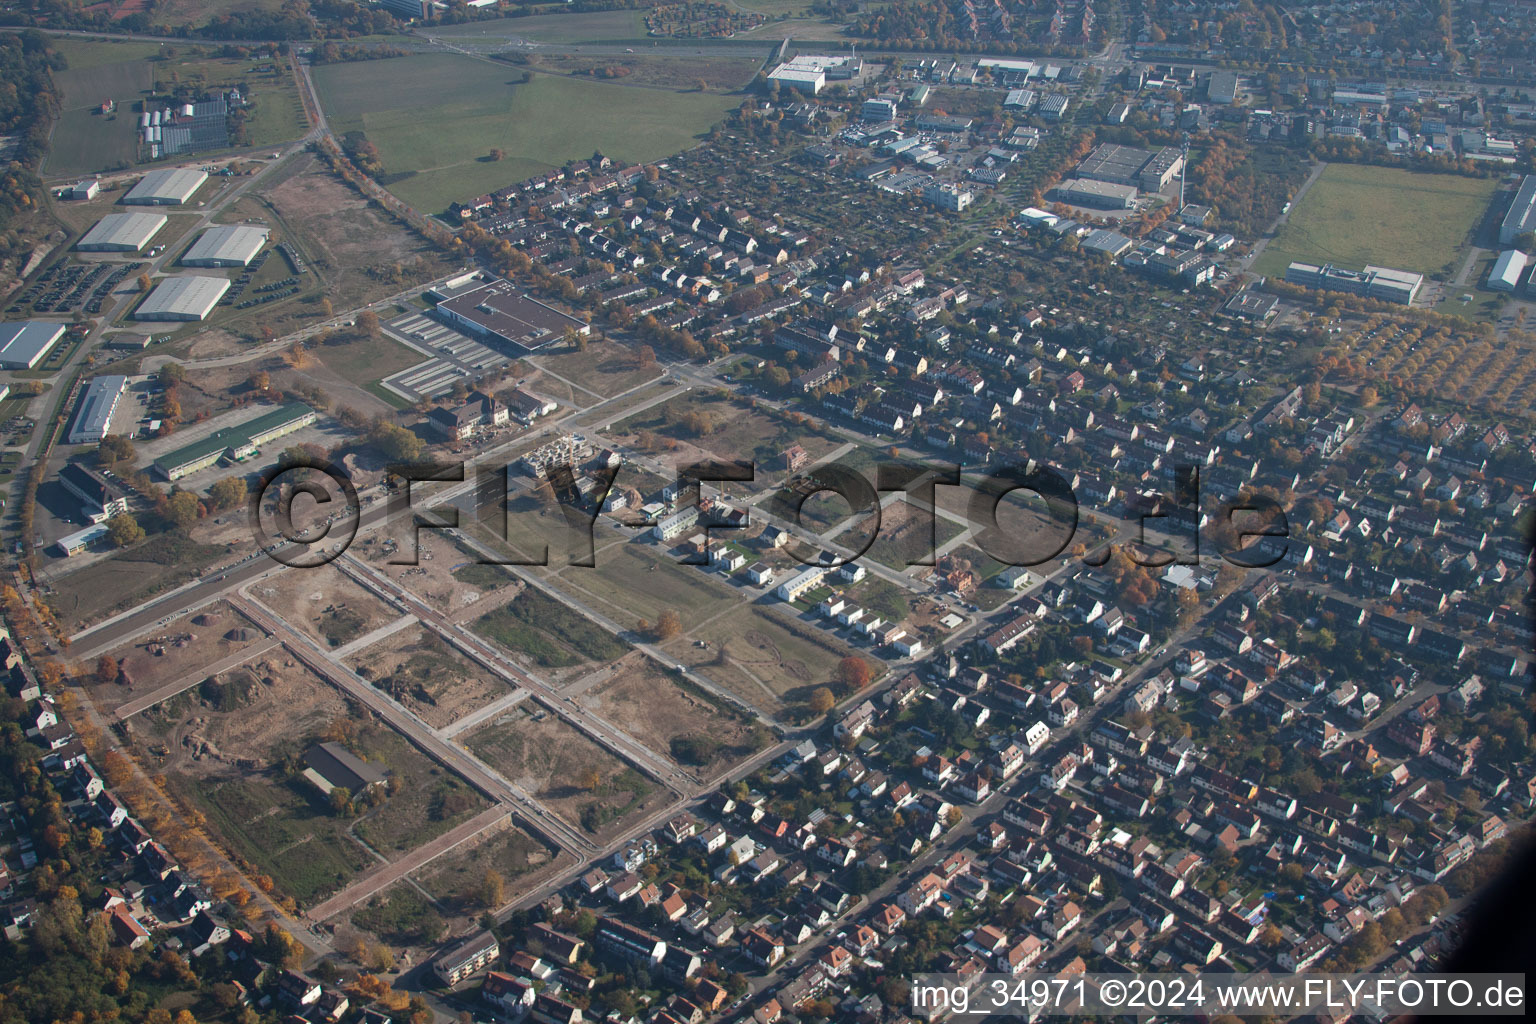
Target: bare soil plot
{"points": [[425, 799], [323, 603], [726, 427], [674, 718], [233, 765], [400, 918], [638, 580], [458, 878], [444, 575], [418, 669], [358, 250], [176, 651], [903, 535], [564, 770], [548, 631], [1027, 526], [129, 578], [788, 657], [606, 368]]}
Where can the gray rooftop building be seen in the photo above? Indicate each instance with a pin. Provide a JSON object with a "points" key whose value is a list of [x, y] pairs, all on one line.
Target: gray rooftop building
{"points": [[172, 187], [93, 416], [182, 298], [24, 343], [232, 245], [122, 232], [1522, 212]]}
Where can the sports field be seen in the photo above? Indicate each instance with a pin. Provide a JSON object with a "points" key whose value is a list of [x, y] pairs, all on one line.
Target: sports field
{"points": [[436, 117], [1356, 215]]}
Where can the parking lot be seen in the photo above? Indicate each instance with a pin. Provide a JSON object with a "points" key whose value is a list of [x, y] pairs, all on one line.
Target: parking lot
{"points": [[461, 359]]}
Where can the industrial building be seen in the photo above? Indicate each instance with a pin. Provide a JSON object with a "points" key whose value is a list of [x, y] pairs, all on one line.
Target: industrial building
{"points": [[1114, 163], [1130, 165], [182, 298], [122, 232], [1161, 169], [101, 494], [880, 108], [236, 442], [84, 189], [24, 343], [171, 187], [226, 246], [1522, 212], [1054, 106], [1223, 87], [809, 73], [500, 312], [93, 416], [1022, 100], [1111, 243], [1383, 283], [1507, 270], [1105, 195]]}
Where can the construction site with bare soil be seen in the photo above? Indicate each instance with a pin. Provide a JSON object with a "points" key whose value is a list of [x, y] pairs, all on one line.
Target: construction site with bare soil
{"points": [[420, 671]]}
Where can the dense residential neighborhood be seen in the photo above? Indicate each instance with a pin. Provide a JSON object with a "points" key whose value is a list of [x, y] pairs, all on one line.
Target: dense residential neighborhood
{"points": [[957, 489]]}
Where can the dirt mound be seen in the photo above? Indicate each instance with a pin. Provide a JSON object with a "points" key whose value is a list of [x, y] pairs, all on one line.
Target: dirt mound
{"points": [[205, 619], [240, 636]]}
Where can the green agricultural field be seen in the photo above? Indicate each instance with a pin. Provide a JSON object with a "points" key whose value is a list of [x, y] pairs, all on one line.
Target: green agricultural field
{"points": [[435, 119], [81, 54], [555, 28], [1356, 215]]}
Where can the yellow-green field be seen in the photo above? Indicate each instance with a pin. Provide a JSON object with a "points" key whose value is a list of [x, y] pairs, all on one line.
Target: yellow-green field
{"points": [[435, 118], [1354, 215]]}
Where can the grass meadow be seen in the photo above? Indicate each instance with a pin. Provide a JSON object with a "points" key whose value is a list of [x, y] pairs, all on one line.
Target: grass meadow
{"points": [[1385, 216], [435, 118]]}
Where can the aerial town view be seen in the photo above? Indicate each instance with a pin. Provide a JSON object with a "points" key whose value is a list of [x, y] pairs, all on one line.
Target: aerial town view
{"points": [[669, 511]]}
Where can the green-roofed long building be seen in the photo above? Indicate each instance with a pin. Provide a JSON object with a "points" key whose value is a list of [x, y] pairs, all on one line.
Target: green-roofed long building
{"points": [[235, 442]]}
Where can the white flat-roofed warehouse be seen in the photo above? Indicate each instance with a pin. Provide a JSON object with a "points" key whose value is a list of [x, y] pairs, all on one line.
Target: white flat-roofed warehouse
{"points": [[1105, 195], [182, 298], [810, 72], [226, 246], [1507, 270], [93, 416], [499, 311], [1522, 212], [23, 344], [166, 188], [122, 232]]}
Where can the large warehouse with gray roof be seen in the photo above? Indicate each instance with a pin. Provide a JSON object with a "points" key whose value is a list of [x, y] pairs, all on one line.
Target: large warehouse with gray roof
{"points": [[182, 298], [1522, 212], [226, 246], [166, 188], [93, 416], [122, 232], [24, 343]]}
